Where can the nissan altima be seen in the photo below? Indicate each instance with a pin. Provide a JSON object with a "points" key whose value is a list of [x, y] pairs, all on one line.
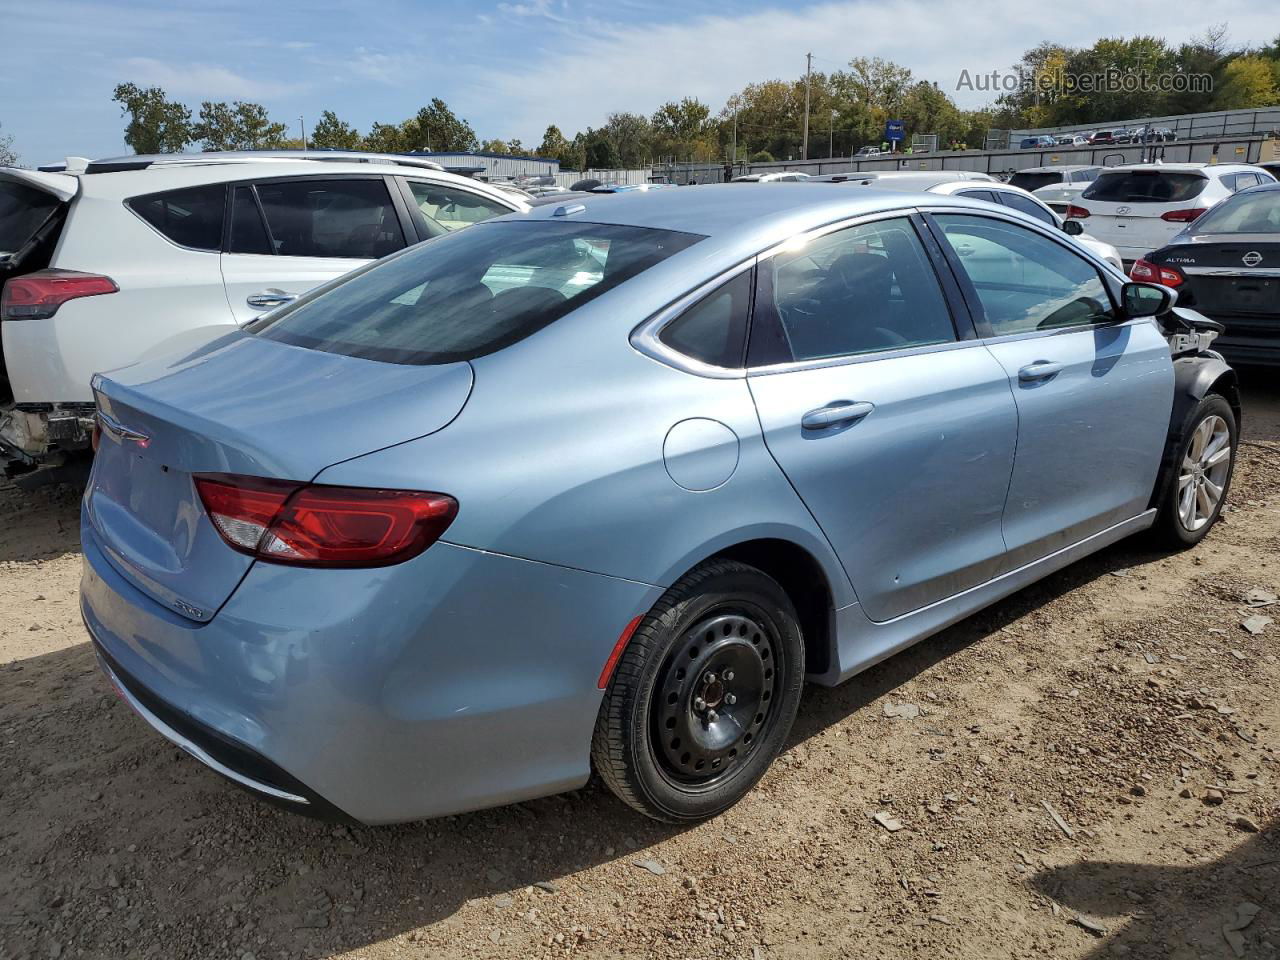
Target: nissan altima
{"points": [[599, 487]]}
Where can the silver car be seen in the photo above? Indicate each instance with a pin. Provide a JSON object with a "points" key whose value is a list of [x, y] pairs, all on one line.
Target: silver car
{"points": [[602, 485]]}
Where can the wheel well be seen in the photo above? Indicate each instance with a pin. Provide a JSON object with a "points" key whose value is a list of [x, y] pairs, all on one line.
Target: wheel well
{"points": [[802, 577], [1228, 385]]}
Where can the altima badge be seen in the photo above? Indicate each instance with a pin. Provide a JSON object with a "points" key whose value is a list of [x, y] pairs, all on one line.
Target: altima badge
{"points": [[1251, 259]]}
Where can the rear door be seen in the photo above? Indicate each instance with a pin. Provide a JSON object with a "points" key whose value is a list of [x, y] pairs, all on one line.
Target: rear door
{"points": [[1093, 392], [289, 235], [895, 426], [1141, 210]]}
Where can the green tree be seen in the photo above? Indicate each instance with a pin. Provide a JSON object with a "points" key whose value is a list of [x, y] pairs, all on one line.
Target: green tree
{"points": [[762, 156], [332, 133], [8, 156], [239, 126], [555, 145], [632, 137], [495, 146], [386, 138], [156, 123], [1249, 81], [684, 130], [599, 151], [436, 128]]}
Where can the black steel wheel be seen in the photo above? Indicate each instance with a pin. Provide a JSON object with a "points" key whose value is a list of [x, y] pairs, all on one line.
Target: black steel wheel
{"points": [[704, 695]]}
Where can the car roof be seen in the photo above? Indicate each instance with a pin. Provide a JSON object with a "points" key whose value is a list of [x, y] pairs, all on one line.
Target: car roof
{"points": [[1056, 167], [735, 210], [1204, 168], [157, 160], [123, 184]]}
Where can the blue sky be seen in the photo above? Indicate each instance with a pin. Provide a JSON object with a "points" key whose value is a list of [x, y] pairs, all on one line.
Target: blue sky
{"points": [[510, 67]]}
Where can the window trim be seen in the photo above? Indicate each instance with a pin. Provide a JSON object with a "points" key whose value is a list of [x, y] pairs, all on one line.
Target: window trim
{"points": [[986, 333]]}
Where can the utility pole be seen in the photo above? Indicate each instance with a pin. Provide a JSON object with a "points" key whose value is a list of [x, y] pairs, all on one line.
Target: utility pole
{"points": [[831, 136], [808, 69], [735, 136], [303, 127]]}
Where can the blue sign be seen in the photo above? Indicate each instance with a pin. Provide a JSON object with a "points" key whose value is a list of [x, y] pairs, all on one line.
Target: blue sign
{"points": [[893, 131]]}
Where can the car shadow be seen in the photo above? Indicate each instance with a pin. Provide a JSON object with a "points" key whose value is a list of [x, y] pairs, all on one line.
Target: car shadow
{"points": [[1176, 911], [38, 524]]}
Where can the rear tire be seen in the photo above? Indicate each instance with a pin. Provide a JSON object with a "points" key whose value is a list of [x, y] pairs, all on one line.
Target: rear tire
{"points": [[704, 695], [1202, 469]]}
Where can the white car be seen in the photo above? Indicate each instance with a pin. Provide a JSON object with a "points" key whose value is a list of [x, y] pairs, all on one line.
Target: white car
{"points": [[1059, 196], [992, 191], [1140, 207], [102, 261], [784, 176], [1033, 178]]}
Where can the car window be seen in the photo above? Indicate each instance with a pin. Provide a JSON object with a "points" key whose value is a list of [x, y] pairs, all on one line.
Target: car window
{"points": [[191, 217], [986, 195], [451, 208], [348, 219], [248, 233], [714, 330], [1085, 176], [1028, 206], [1145, 186], [1247, 213], [1034, 181], [472, 292], [860, 290], [1024, 281], [23, 210]]}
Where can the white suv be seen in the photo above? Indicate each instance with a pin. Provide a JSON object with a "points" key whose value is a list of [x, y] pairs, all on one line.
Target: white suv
{"points": [[1140, 207], [104, 260]]}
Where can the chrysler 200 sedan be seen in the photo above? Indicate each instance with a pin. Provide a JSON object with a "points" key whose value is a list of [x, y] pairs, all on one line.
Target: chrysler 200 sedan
{"points": [[599, 487]]}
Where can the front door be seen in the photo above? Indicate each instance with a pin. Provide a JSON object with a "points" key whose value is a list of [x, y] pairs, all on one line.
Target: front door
{"points": [[898, 435], [1093, 391]]}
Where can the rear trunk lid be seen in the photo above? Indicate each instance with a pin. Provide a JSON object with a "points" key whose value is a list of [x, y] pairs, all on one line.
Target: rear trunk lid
{"points": [[33, 207], [1126, 207], [240, 404], [1236, 276]]}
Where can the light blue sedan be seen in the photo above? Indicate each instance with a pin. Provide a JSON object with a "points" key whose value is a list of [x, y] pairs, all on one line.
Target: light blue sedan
{"points": [[601, 486]]}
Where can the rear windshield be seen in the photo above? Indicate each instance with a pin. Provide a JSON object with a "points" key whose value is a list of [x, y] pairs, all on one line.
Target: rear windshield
{"points": [[1145, 186], [1252, 212], [1034, 181], [23, 210], [471, 292]]}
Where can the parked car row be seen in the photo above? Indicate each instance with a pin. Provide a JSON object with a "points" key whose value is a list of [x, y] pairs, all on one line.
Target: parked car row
{"points": [[1106, 137]]}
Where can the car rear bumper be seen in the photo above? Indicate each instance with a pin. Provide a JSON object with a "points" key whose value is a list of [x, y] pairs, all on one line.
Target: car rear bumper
{"points": [[1245, 351], [456, 681]]}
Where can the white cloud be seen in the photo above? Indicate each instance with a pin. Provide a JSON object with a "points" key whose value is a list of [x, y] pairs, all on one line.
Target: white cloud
{"points": [[535, 8], [591, 69], [201, 80]]}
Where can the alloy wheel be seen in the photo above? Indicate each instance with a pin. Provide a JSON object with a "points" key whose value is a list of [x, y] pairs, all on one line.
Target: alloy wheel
{"points": [[1204, 472]]}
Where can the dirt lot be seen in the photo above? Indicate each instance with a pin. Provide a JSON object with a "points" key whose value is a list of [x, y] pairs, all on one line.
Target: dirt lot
{"points": [[1094, 771]]}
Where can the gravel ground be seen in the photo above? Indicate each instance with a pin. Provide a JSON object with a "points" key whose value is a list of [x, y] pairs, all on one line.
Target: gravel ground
{"points": [[1088, 769]]}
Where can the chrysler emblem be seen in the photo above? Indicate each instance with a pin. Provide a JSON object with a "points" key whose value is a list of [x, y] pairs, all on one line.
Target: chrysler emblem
{"points": [[1124, 210], [120, 433], [1251, 259]]}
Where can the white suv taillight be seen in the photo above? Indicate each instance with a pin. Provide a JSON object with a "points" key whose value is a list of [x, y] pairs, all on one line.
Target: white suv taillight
{"points": [[37, 296]]}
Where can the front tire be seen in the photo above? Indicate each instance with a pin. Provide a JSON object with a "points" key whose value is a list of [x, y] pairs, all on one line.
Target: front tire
{"points": [[1202, 468], [704, 695]]}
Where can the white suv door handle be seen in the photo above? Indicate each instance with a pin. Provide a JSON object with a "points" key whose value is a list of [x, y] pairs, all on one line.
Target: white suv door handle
{"points": [[271, 297]]}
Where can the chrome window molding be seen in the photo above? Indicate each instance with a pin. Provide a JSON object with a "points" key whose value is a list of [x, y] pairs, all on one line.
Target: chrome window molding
{"points": [[852, 358]]}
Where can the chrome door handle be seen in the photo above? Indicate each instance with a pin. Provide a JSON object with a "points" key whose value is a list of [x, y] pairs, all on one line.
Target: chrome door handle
{"points": [[835, 414], [271, 297], [1040, 370]]}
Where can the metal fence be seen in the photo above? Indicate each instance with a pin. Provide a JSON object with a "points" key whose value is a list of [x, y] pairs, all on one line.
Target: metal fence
{"points": [[567, 178], [1220, 125]]}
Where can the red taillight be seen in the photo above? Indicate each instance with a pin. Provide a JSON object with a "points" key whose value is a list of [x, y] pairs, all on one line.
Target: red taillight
{"points": [[1076, 213], [1145, 271], [1183, 216], [36, 296], [323, 526]]}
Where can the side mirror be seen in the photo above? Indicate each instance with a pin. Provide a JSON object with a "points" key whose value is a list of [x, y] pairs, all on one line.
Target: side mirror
{"points": [[1072, 228], [1147, 299]]}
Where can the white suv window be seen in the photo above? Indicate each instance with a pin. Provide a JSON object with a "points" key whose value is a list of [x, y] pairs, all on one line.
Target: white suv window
{"points": [[350, 219], [191, 217], [452, 208]]}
